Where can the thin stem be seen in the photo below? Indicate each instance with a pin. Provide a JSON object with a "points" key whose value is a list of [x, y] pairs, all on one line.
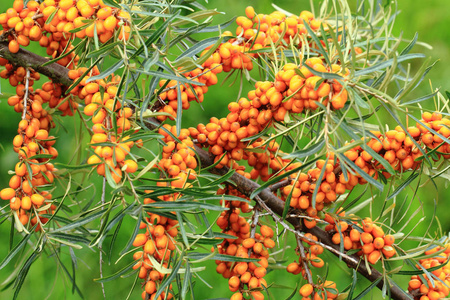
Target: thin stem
{"points": [[281, 184], [100, 246], [308, 273], [25, 96]]}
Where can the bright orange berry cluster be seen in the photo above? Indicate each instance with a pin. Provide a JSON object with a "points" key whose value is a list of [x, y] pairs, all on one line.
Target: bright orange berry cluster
{"points": [[321, 291], [311, 257], [245, 279], [425, 288], [264, 29], [367, 236], [157, 243], [110, 124], [53, 23], [34, 146], [178, 159], [254, 32]]}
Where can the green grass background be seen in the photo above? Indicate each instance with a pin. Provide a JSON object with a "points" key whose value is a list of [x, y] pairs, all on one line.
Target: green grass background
{"points": [[47, 281]]}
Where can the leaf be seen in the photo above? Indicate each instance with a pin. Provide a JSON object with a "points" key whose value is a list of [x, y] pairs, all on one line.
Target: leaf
{"points": [[200, 46], [221, 257], [410, 45], [363, 174], [222, 178], [325, 75], [306, 152], [69, 237], [387, 63], [154, 37], [182, 229], [112, 3], [183, 206], [107, 72], [147, 168], [423, 98], [117, 274], [169, 279], [278, 178], [368, 289], [79, 222], [358, 100], [198, 15], [403, 185], [23, 272], [17, 248], [319, 45], [133, 235], [170, 76]]}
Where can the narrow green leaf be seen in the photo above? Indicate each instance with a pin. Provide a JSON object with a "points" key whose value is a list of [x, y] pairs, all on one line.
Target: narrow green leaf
{"points": [[182, 229], [170, 76], [198, 15], [154, 37], [278, 178], [107, 72], [385, 64], [117, 274], [170, 278], [368, 289], [403, 185], [306, 152], [17, 248], [364, 175]]}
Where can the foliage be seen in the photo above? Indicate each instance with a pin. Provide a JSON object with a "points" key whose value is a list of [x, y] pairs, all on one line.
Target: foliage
{"points": [[295, 161]]}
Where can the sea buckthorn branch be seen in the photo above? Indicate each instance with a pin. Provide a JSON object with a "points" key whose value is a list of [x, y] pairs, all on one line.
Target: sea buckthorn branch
{"points": [[275, 207], [28, 59], [238, 62]]}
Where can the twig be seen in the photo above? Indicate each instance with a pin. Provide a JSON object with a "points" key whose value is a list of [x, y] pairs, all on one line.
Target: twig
{"points": [[27, 59], [255, 220], [100, 246], [25, 96], [276, 186], [301, 248]]}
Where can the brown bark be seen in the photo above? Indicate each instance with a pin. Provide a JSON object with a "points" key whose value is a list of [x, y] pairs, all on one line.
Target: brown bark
{"points": [[25, 58]]}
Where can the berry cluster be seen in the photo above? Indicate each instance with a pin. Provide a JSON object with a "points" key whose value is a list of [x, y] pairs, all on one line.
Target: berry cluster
{"points": [[262, 29], [255, 32], [437, 287], [311, 257], [54, 23], [245, 279], [367, 236], [321, 291], [110, 124], [178, 159], [34, 146], [157, 243]]}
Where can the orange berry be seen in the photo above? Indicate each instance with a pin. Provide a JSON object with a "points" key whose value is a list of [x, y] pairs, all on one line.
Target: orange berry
{"points": [[7, 193], [37, 199], [140, 240], [132, 166], [13, 46], [374, 257], [306, 290]]}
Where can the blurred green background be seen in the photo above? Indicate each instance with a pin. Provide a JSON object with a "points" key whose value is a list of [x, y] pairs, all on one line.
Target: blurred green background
{"points": [[47, 281]]}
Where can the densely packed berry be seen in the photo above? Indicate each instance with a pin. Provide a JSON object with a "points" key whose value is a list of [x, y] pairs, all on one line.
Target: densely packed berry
{"points": [[435, 284], [157, 244], [296, 88]]}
